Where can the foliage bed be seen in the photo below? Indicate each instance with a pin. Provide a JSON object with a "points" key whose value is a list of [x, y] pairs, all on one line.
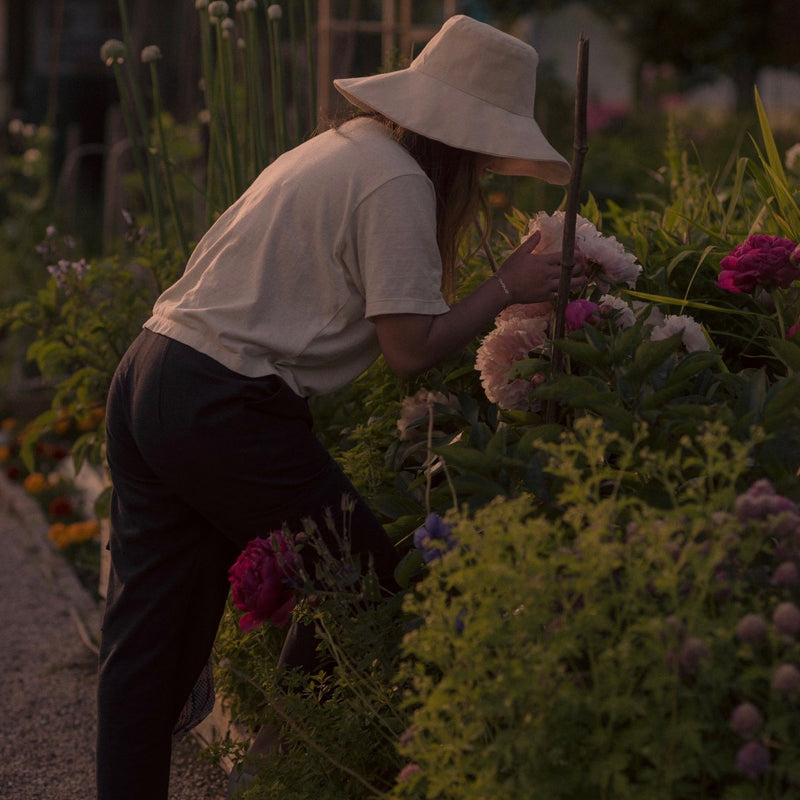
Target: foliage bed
{"points": [[598, 590]]}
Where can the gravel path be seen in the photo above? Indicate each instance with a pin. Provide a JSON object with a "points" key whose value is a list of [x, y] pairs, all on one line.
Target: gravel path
{"points": [[48, 624]]}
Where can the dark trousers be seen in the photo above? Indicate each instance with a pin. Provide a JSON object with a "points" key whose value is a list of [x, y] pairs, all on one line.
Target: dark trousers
{"points": [[202, 461]]}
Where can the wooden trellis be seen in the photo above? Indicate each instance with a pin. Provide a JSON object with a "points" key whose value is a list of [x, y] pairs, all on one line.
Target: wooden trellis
{"points": [[398, 34]]}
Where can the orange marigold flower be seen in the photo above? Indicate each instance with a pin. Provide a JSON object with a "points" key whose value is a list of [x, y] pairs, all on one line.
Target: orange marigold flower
{"points": [[35, 483], [8, 424], [57, 534]]}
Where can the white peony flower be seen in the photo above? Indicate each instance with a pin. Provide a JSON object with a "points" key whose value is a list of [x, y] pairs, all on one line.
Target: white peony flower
{"points": [[691, 332], [623, 314]]}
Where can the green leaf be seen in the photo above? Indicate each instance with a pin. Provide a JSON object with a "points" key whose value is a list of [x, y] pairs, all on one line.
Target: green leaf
{"points": [[787, 351], [650, 356]]}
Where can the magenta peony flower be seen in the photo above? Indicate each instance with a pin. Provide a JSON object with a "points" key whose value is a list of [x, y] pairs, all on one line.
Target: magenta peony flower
{"points": [[260, 581], [752, 759], [579, 313], [795, 329], [760, 261]]}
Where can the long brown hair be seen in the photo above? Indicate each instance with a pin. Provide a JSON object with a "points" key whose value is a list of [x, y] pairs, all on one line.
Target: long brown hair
{"points": [[459, 200]]}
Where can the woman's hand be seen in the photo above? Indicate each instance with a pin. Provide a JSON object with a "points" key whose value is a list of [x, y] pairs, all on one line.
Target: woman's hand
{"points": [[412, 343], [535, 277]]}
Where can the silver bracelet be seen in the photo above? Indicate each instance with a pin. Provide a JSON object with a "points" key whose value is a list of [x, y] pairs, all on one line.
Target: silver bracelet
{"points": [[502, 284]]}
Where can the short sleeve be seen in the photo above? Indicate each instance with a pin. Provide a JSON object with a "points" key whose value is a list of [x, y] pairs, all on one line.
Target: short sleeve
{"points": [[396, 251]]}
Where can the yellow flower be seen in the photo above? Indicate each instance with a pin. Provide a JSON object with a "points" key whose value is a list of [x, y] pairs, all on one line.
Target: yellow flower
{"points": [[35, 483]]}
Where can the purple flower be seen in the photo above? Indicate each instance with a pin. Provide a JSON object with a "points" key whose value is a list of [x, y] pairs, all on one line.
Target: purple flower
{"points": [[751, 628], [760, 261], [786, 619], [407, 771], [746, 719], [752, 759], [786, 679], [691, 654], [761, 501], [580, 313], [261, 581], [786, 575], [434, 529]]}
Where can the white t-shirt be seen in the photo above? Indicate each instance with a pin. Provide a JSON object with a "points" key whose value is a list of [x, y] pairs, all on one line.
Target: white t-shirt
{"points": [[337, 231]]}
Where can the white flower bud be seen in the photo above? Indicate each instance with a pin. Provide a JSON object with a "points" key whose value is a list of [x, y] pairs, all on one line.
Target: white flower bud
{"points": [[274, 12], [200, 4]]}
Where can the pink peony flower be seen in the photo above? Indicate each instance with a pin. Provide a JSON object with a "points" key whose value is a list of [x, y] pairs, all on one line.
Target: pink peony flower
{"points": [[579, 313], [760, 261], [511, 341], [613, 262], [260, 581], [692, 336]]}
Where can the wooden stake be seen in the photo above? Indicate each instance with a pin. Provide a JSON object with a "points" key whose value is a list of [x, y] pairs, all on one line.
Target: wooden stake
{"points": [[579, 147]]}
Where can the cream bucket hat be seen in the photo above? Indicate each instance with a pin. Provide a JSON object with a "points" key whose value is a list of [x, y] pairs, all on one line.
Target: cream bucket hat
{"points": [[471, 87]]}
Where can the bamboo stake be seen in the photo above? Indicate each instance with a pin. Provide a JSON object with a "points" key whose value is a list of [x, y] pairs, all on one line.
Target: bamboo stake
{"points": [[579, 147]]}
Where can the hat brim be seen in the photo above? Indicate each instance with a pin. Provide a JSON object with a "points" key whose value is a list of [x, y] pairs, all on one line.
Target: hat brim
{"points": [[432, 108]]}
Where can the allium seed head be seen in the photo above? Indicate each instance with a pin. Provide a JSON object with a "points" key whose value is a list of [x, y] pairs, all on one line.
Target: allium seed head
{"points": [[112, 52], [786, 679], [752, 759], [151, 53], [746, 719], [787, 619], [786, 574], [218, 8], [751, 628], [692, 653], [274, 12]]}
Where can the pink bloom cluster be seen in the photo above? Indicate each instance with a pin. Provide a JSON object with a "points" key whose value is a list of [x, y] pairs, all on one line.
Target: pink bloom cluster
{"points": [[612, 262], [519, 331], [261, 581], [767, 261]]}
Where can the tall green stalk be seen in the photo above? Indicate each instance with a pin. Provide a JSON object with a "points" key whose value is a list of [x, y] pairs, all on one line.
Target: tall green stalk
{"points": [[149, 56]]}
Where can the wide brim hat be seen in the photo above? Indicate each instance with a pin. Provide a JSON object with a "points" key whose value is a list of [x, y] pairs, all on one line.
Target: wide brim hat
{"points": [[471, 87]]}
